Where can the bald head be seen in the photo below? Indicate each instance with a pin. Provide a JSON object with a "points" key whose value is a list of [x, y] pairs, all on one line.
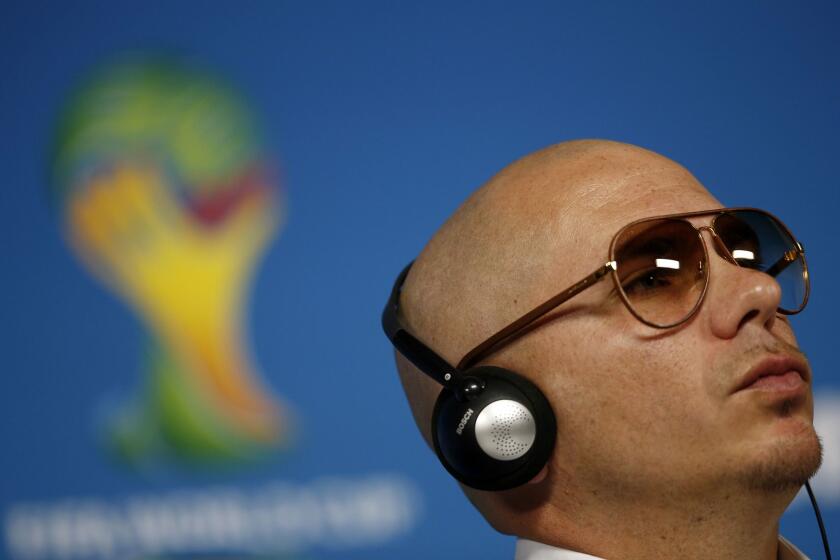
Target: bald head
{"points": [[489, 262], [649, 430]]}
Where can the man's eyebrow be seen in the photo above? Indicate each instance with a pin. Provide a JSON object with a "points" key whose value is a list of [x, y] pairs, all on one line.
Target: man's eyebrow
{"points": [[652, 238]]}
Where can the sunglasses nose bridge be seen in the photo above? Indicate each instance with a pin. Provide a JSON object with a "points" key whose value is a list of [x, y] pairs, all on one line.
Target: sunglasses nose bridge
{"points": [[720, 246]]}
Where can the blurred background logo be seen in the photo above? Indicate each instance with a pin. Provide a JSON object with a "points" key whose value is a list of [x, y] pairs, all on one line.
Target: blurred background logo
{"points": [[167, 199]]}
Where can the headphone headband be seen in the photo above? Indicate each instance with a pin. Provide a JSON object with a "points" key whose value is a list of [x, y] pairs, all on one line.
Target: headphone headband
{"points": [[426, 359]]}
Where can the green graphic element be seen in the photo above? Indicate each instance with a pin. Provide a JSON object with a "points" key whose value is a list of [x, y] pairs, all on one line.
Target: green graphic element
{"points": [[161, 110], [160, 179]]}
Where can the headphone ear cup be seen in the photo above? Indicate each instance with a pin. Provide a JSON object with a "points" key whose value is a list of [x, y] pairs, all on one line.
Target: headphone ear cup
{"points": [[499, 438]]}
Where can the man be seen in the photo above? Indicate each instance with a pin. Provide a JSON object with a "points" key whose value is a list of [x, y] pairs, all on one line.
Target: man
{"points": [[683, 435]]}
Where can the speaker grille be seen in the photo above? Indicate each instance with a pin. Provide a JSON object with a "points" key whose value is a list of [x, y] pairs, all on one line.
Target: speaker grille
{"points": [[505, 430]]}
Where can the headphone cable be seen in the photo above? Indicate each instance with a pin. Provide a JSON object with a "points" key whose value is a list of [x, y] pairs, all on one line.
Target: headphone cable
{"points": [[819, 520]]}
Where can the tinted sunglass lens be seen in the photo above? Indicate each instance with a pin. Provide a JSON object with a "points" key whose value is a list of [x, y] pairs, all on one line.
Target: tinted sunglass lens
{"points": [[757, 240], [661, 268]]}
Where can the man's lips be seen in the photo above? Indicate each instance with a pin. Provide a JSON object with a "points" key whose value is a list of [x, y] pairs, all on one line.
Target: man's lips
{"points": [[780, 372]]}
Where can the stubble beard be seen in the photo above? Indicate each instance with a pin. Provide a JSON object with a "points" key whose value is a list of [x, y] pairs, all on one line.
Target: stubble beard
{"points": [[787, 465]]}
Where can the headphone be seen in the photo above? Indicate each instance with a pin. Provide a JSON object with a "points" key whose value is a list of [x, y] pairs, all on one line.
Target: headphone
{"points": [[492, 428]]}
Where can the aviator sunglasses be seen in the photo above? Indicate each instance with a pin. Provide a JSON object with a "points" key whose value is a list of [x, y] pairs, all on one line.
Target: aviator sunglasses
{"points": [[660, 268]]}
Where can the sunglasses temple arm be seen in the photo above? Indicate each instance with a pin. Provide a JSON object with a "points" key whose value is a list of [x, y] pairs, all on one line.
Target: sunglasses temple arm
{"points": [[515, 328]]}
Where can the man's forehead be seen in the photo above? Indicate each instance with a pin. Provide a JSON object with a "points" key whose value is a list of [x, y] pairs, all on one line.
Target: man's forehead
{"points": [[590, 213], [638, 195], [580, 180], [603, 208]]}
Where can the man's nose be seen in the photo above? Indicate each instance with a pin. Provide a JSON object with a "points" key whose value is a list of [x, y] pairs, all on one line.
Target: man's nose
{"points": [[738, 296]]}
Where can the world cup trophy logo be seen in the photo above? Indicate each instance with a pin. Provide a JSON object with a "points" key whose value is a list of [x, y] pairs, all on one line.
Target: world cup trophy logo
{"points": [[166, 198]]}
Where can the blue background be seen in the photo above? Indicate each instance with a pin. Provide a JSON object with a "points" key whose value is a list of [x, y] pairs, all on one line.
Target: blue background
{"points": [[384, 117]]}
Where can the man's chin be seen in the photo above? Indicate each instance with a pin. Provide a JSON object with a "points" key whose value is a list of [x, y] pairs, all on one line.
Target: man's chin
{"points": [[785, 464]]}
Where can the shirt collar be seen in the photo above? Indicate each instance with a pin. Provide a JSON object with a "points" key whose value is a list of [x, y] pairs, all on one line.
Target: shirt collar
{"points": [[531, 550]]}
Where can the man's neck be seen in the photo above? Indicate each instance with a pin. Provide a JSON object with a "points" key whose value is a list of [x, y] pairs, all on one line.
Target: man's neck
{"points": [[744, 527]]}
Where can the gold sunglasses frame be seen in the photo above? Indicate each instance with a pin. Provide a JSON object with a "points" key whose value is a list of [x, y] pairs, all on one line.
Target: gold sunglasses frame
{"points": [[610, 267]]}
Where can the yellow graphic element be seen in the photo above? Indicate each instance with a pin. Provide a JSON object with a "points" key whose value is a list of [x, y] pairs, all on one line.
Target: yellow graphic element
{"points": [[188, 282]]}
